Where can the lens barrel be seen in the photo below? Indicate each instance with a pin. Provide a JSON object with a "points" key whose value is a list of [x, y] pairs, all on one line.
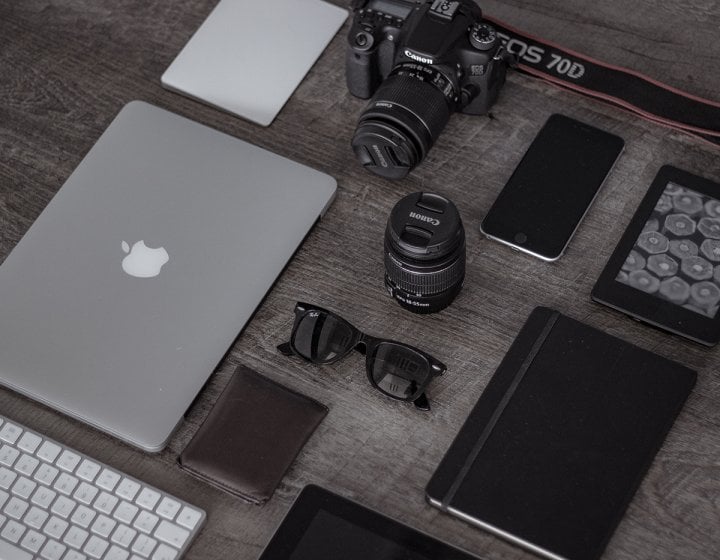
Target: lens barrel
{"points": [[402, 120], [424, 252]]}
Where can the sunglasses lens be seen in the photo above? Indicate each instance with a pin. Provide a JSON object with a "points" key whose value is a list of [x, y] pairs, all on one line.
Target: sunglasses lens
{"points": [[399, 371], [320, 337]]}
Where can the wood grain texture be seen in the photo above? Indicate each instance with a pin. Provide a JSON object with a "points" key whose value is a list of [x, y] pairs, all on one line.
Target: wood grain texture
{"points": [[67, 67]]}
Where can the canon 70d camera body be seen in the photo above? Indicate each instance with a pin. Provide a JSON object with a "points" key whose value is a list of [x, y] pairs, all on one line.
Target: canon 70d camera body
{"points": [[420, 61]]}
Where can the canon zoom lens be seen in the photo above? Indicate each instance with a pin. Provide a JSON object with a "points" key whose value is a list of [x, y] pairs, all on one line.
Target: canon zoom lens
{"points": [[403, 119], [424, 252]]}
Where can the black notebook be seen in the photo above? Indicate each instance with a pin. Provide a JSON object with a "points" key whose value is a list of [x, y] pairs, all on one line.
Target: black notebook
{"points": [[559, 441]]}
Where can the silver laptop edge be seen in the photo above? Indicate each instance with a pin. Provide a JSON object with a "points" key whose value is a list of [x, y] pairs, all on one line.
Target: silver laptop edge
{"points": [[132, 284]]}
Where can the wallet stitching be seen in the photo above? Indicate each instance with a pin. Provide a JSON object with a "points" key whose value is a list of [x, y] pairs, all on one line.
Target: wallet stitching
{"points": [[224, 485]]}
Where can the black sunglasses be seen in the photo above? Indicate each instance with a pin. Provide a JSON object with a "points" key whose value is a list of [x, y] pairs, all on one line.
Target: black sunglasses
{"points": [[397, 370]]}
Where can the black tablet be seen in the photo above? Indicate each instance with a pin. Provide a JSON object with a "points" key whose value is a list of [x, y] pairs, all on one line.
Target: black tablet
{"points": [[666, 269], [324, 526]]}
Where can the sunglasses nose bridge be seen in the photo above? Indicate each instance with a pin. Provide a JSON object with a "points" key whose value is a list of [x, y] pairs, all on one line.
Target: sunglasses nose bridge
{"points": [[362, 344]]}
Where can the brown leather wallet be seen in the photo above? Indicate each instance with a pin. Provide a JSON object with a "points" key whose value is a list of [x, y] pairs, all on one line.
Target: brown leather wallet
{"points": [[251, 436]]}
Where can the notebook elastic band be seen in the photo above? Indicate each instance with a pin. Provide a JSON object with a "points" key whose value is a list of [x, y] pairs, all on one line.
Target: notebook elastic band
{"points": [[615, 85], [475, 451]]}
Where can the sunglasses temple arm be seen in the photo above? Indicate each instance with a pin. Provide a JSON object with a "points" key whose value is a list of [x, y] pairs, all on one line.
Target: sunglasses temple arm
{"points": [[422, 403], [285, 349]]}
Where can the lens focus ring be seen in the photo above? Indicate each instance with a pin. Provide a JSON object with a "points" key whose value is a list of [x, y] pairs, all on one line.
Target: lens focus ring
{"points": [[424, 282], [423, 100]]}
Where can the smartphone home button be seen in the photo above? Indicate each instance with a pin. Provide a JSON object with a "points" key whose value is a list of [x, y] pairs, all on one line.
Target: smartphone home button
{"points": [[520, 238]]}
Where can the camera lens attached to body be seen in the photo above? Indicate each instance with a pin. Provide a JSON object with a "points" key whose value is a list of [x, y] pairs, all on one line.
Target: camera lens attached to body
{"points": [[419, 61], [424, 252], [402, 121]]}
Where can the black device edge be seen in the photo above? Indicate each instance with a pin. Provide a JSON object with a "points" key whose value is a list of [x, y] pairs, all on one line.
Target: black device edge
{"points": [[537, 252], [648, 308], [313, 499]]}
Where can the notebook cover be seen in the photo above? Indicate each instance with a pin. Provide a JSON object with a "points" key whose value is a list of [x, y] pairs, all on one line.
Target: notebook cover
{"points": [[251, 436], [561, 438]]}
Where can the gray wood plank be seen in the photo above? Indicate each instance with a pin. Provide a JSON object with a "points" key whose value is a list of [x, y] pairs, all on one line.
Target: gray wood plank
{"points": [[66, 68]]}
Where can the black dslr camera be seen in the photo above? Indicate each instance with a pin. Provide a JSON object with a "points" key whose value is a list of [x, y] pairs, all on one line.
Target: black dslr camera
{"points": [[420, 61]]}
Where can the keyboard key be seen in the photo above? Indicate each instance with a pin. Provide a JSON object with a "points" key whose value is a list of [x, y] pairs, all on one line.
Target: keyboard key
{"points": [[12, 552], [23, 487], [3, 498], [46, 474], [189, 517], [116, 553], [10, 432], [171, 534], [8, 455], [123, 535], [125, 512], [7, 477], [75, 537], [105, 502], [146, 521], [13, 531], [148, 498], [55, 527], [48, 451], [85, 493], [68, 460], [36, 517], [74, 555], [95, 547], [168, 508], [88, 470], [65, 483], [108, 480], [53, 550], [164, 552], [103, 526], [26, 464], [63, 507], [127, 489], [29, 442], [15, 508], [43, 497], [83, 516], [144, 545], [33, 541]]}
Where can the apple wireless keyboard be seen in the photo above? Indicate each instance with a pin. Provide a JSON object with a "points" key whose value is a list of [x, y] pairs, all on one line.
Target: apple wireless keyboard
{"points": [[58, 504]]}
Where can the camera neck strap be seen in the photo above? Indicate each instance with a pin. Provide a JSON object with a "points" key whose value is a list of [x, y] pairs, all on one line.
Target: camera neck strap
{"points": [[618, 86]]}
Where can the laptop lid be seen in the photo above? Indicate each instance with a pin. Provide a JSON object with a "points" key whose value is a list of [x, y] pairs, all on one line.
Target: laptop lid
{"points": [[122, 297], [248, 57]]}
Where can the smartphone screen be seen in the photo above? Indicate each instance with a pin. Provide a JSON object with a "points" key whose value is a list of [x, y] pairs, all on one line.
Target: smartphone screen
{"points": [[552, 188]]}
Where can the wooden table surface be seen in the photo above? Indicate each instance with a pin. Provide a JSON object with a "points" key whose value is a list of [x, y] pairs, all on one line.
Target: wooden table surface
{"points": [[66, 69]]}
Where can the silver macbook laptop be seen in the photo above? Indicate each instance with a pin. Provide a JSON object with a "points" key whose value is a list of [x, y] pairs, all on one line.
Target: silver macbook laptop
{"points": [[248, 57], [122, 297]]}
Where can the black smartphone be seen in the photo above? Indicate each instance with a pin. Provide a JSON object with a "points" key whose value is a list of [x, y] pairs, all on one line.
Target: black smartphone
{"points": [[552, 187]]}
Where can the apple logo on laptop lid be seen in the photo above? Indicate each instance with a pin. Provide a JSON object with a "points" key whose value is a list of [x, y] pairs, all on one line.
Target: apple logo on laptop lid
{"points": [[142, 261]]}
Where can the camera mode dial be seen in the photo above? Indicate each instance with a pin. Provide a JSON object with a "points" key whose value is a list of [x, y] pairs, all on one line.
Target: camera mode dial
{"points": [[483, 36]]}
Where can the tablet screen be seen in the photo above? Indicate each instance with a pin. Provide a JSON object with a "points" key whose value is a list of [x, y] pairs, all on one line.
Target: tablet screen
{"points": [[677, 255], [330, 537], [324, 526]]}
